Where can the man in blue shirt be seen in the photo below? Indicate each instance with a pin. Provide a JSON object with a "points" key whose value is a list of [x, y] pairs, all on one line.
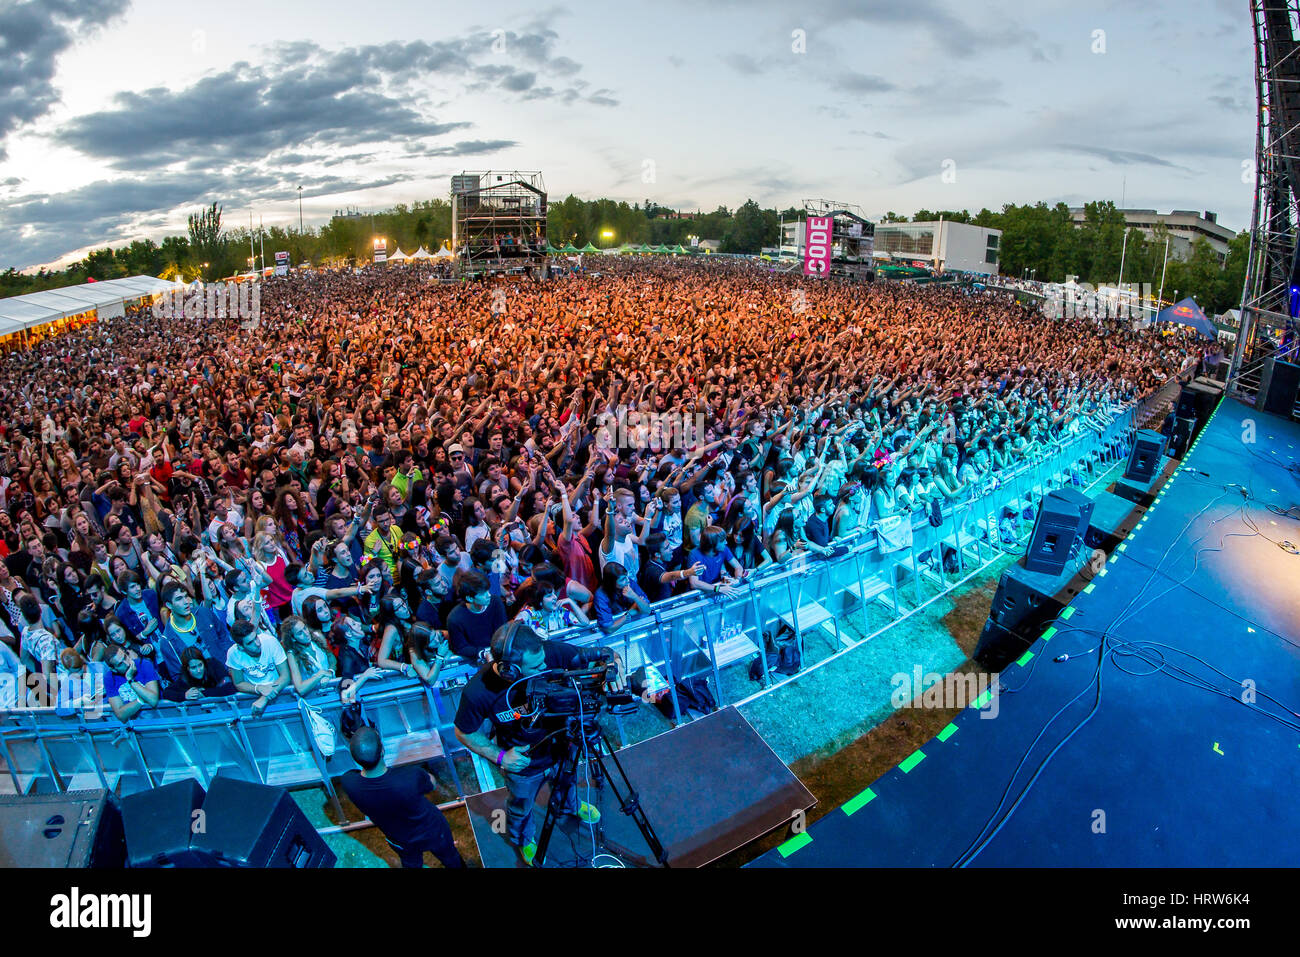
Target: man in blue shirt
{"points": [[191, 625], [132, 683]]}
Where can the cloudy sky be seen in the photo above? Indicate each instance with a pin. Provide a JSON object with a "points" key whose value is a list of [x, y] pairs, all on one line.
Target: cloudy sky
{"points": [[118, 117]]}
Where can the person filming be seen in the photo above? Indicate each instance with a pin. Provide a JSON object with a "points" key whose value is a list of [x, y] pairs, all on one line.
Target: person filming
{"points": [[491, 722]]}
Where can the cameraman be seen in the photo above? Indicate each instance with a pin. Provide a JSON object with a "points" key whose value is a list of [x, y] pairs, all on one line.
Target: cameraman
{"points": [[489, 723]]}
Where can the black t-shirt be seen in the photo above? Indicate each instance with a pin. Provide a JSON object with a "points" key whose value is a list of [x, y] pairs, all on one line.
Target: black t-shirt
{"points": [[395, 802], [484, 699], [817, 530], [468, 633]]}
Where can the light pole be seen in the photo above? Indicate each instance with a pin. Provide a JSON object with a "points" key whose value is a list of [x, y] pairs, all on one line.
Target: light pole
{"points": [[299, 210]]}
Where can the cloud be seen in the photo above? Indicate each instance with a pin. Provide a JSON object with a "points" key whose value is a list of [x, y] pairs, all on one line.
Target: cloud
{"points": [[32, 36], [853, 82], [42, 227], [1119, 157]]}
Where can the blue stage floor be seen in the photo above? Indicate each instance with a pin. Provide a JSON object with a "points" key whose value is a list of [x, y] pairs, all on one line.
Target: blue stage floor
{"points": [[1158, 771]]}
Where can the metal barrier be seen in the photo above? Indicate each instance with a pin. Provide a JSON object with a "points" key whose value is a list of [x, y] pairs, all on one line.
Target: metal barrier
{"points": [[688, 636]]}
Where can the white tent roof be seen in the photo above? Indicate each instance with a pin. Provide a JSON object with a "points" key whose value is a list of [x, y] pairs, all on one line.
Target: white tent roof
{"points": [[421, 253], [398, 256], [41, 308], [443, 253]]}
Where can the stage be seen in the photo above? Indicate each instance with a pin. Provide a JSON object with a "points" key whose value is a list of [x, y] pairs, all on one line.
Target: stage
{"points": [[1116, 759]]}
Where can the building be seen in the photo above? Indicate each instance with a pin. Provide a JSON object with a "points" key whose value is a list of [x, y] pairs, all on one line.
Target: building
{"points": [[942, 245], [1184, 226]]}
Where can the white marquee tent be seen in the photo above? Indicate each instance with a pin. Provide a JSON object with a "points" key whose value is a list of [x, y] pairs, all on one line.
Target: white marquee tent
{"points": [[421, 253], [443, 253], [106, 299]]}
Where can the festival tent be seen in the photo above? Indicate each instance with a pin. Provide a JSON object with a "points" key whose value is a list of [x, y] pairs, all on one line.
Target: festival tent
{"points": [[1188, 313], [399, 256], [661, 249], [421, 253], [570, 248], [589, 248], [443, 253], [679, 249], [106, 299]]}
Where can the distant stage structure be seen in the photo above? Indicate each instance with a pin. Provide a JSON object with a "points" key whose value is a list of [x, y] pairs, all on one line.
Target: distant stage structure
{"points": [[498, 223]]}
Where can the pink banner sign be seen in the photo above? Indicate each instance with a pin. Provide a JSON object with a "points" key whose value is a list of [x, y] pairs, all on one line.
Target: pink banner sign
{"points": [[817, 246]]}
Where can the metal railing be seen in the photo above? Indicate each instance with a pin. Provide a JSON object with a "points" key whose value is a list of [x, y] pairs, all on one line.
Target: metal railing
{"points": [[688, 636]]}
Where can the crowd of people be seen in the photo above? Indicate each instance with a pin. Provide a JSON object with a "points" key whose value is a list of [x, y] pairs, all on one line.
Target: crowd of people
{"points": [[383, 470]]}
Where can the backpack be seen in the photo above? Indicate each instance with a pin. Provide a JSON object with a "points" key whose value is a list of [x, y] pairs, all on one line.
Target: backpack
{"points": [[783, 655], [693, 694]]}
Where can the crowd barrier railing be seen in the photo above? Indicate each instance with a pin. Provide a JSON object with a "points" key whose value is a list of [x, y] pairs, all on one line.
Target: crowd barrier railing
{"points": [[689, 636]]}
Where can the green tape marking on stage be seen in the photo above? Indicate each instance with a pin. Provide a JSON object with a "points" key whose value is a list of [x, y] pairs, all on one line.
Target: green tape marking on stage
{"points": [[982, 700], [947, 732], [1024, 658], [1088, 590], [1047, 635], [1068, 613], [796, 842], [854, 804], [912, 760], [1102, 573], [1123, 546]]}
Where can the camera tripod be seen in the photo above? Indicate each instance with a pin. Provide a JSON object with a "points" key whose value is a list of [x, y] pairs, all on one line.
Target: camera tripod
{"points": [[588, 739]]}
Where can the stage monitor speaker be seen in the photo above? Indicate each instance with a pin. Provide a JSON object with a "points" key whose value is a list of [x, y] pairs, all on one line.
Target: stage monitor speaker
{"points": [[1182, 437], [1059, 530], [1197, 400], [1110, 514], [161, 822], [1223, 371], [1278, 386], [1024, 603], [1144, 460], [252, 825], [75, 829]]}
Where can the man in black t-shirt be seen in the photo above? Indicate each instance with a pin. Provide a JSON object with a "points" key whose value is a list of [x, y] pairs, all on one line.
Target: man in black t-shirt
{"points": [[489, 723], [394, 800], [473, 622]]}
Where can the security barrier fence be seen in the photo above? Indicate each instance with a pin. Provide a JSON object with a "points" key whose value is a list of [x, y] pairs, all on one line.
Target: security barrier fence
{"points": [[690, 636]]}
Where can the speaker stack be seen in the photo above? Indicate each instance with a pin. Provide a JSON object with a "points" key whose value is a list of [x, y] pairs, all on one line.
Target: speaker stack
{"points": [[75, 829], [1036, 590], [236, 824], [1279, 385]]}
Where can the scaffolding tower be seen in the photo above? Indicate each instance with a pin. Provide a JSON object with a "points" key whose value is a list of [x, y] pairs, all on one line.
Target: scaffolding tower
{"points": [[853, 236], [1270, 298], [498, 222]]}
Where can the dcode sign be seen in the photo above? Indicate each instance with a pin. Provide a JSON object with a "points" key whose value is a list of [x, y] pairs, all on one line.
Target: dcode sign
{"points": [[817, 246]]}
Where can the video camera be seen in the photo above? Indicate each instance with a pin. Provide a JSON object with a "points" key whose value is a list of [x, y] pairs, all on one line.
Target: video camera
{"points": [[578, 693]]}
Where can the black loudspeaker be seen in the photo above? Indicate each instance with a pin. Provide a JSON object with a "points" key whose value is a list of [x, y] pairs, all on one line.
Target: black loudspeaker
{"points": [[74, 829], [1182, 437], [1223, 371], [160, 823], [1058, 532], [1278, 385], [252, 825], [1024, 603], [1106, 526], [1144, 460]]}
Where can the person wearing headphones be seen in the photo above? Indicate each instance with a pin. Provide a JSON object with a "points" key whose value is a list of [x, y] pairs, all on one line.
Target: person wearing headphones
{"points": [[491, 722]]}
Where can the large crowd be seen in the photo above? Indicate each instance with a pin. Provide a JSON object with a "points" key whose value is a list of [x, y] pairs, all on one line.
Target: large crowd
{"points": [[382, 470]]}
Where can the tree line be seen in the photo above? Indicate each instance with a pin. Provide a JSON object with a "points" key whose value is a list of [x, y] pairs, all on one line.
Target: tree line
{"points": [[1037, 240]]}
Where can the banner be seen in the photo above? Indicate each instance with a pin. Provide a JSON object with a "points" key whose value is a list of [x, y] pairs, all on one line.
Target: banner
{"points": [[282, 264], [817, 246]]}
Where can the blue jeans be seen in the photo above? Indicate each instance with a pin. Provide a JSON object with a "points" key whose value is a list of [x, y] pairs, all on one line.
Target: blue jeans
{"points": [[523, 788]]}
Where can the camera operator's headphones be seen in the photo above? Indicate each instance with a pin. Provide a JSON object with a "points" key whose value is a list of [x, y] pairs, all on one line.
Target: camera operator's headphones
{"points": [[503, 643]]}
